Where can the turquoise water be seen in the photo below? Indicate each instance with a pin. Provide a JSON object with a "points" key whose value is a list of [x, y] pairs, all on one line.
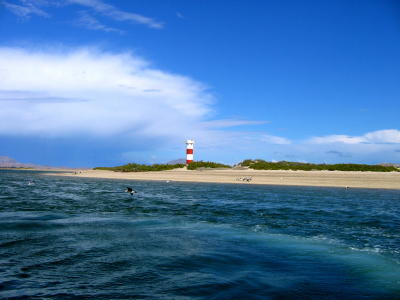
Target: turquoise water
{"points": [[74, 238]]}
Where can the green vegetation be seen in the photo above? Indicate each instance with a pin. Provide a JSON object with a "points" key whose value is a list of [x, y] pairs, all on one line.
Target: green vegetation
{"points": [[260, 164], [141, 168], [257, 164], [205, 164], [162, 167]]}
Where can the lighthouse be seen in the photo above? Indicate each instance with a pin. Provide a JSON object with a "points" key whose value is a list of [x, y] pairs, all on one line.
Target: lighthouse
{"points": [[189, 151]]}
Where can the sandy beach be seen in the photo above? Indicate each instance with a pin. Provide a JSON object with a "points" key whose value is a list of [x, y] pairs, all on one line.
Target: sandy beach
{"points": [[390, 180]]}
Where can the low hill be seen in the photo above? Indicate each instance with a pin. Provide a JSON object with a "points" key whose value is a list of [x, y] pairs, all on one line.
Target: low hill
{"points": [[390, 165], [8, 162], [177, 161]]}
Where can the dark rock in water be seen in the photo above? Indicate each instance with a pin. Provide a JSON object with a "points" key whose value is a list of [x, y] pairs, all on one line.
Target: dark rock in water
{"points": [[23, 275]]}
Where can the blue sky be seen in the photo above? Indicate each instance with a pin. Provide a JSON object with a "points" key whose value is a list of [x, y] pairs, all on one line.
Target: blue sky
{"points": [[91, 82]]}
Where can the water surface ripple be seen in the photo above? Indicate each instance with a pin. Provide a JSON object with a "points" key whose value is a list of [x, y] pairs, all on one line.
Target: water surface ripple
{"points": [[74, 238]]}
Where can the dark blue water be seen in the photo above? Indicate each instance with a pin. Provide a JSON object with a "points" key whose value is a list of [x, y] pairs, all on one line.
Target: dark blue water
{"points": [[72, 238]]}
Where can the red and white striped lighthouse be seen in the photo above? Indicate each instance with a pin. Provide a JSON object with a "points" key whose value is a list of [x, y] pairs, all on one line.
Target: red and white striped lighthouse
{"points": [[189, 151]]}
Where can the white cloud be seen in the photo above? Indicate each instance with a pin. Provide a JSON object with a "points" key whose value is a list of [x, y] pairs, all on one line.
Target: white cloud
{"points": [[387, 136], [88, 93], [121, 97], [92, 92]]}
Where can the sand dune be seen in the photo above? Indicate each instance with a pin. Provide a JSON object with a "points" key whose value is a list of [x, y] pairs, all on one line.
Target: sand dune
{"points": [[390, 180]]}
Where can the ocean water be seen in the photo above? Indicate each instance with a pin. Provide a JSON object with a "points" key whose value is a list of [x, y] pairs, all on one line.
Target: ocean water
{"points": [[74, 238]]}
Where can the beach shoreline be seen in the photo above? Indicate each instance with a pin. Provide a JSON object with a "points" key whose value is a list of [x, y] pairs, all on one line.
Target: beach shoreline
{"points": [[345, 179]]}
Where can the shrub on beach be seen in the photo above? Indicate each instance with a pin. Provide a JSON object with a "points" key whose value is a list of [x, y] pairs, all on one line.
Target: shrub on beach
{"points": [[141, 168], [162, 167], [205, 164], [260, 164]]}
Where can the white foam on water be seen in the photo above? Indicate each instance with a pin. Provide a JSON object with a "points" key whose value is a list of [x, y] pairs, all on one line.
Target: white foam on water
{"points": [[372, 264]]}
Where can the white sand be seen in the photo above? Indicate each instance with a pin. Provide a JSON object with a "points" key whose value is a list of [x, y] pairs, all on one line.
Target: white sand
{"points": [[387, 180]]}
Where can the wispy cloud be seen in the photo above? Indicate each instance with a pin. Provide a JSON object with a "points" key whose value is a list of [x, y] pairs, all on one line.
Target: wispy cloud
{"points": [[272, 139], [89, 22], [117, 14], [33, 97], [25, 9], [386, 136], [231, 123], [336, 138], [338, 153]]}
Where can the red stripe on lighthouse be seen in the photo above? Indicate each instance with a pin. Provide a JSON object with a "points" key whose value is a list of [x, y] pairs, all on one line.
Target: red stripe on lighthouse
{"points": [[189, 151]]}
